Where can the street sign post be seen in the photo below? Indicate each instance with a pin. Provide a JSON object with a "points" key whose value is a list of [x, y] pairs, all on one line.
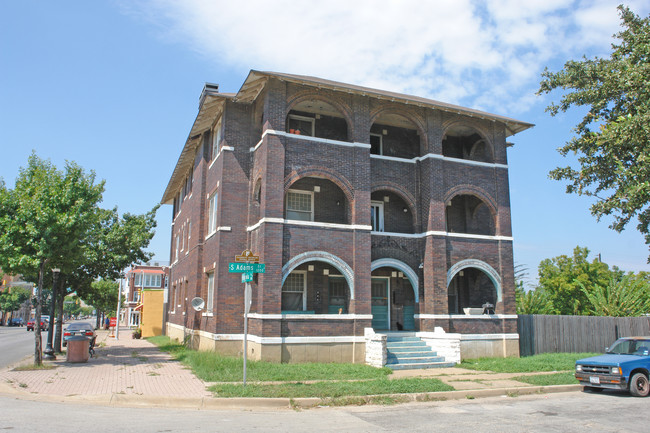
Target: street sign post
{"points": [[246, 264], [258, 268], [246, 277]]}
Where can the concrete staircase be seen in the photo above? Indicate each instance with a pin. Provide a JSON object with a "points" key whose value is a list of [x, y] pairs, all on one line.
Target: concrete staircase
{"points": [[405, 351]]}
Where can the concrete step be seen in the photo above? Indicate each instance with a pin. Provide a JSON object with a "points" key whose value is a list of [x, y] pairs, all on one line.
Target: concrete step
{"points": [[420, 365], [408, 349], [402, 355], [415, 360]]}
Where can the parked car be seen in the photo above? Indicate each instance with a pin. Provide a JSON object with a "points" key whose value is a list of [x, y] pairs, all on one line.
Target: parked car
{"points": [[16, 321], [624, 366], [44, 324], [79, 329]]}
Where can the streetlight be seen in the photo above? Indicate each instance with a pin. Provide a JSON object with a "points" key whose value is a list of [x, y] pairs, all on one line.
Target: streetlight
{"points": [[48, 353]]}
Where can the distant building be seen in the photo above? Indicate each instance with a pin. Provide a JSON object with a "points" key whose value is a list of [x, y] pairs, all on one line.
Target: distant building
{"points": [[6, 284], [374, 212], [145, 298]]}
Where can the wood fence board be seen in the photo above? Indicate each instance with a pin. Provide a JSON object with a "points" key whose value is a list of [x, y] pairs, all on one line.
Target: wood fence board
{"points": [[555, 334]]}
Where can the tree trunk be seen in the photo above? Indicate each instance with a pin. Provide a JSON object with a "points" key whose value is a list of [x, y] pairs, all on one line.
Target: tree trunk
{"points": [[38, 349]]}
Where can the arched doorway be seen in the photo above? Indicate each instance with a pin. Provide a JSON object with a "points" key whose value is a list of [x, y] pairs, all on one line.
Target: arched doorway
{"points": [[394, 295]]}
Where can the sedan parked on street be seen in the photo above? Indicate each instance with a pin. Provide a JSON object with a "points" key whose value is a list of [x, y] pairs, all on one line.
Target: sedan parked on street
{"points": [[16, 321], [44, 324], [83, 329]]}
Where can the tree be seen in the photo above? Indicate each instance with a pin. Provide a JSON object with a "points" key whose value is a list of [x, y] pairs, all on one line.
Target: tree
{"points": [[13, 298], [562, 279], [42, 220], [103, 296], [621, 297], [613, 139]]}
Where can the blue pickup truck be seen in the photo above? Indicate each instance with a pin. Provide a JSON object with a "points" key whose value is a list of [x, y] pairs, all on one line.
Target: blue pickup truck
{"points": [[624, 366]]}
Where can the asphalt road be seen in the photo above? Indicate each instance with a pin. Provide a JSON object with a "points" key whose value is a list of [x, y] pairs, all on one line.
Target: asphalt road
{"points": [[15, 344], [566, 412]]}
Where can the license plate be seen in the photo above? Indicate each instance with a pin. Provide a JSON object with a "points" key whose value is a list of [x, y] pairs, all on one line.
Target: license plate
{"points": [[594, 380]]}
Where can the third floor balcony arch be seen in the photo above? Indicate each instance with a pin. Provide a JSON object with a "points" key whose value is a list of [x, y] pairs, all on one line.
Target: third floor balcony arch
{"points": [[317, 117], [396, 135], [463, 141]]}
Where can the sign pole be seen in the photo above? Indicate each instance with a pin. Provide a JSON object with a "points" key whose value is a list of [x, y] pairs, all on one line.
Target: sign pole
{"points": [[247, 291], [117, 314]]}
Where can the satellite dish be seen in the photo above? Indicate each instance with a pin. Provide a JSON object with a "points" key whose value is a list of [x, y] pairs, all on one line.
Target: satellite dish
{"points": [[198, 304]]}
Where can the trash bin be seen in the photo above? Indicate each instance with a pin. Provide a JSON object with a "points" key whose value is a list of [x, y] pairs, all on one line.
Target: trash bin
{"points": [[77, 349]]}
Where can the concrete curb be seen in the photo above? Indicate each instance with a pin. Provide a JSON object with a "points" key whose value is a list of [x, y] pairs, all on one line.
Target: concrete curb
{"points": [[206, 403]]}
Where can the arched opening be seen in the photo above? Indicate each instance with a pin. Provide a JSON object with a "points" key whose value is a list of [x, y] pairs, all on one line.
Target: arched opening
{"points": [[316, 118], [316, 199], [393, 290], [394, 135], [464, 142], [390, 213], [315, 287], [469, 290], [469, 214]]}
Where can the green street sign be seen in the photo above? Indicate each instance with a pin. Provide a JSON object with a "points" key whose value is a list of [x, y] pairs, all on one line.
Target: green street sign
{"points": [[258, 268], [246, 277]]}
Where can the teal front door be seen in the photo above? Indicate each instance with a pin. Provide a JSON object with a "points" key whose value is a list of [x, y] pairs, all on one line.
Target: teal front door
{"points": [[379, 303]]}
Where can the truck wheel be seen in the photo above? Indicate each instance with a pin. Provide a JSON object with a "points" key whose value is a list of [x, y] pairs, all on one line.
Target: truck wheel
{"points": [[639, 386]]}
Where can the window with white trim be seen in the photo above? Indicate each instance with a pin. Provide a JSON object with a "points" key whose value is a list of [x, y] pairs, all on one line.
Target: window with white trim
{"points": [[216, 139], [300, 205], [301, 125], [212, 213], [210, 297], [294, 292], [377, 216], [149, 280]]}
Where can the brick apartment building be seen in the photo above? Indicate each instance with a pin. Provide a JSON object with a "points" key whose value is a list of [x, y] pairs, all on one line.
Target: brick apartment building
{"points": [[370, 209]]}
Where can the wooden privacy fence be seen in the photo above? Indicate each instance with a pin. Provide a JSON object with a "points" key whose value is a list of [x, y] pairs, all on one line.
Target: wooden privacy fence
{"points": [[554, 334]]}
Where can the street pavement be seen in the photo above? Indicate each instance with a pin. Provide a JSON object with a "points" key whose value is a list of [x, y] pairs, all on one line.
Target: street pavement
{"points": [[134, 373]]}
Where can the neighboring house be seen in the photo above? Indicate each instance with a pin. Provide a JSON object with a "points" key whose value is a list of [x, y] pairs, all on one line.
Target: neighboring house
{"points": [[145, 298], [6, 284], [370, 209]]}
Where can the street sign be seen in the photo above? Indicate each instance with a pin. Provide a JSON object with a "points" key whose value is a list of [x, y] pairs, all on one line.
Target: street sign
{"points": [[247, 257], [246, 277], [258, 268]]}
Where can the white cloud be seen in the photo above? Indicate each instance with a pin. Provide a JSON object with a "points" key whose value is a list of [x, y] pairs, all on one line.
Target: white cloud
{"points": [[486, 55]]}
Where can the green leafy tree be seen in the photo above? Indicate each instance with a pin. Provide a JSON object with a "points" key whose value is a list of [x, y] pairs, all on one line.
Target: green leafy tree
{"points": [[563, 278], [534, 301], [42, 220], [620, 297], [613, 139], [103, 296], [52, 219], [71, 305], [13, 298]]}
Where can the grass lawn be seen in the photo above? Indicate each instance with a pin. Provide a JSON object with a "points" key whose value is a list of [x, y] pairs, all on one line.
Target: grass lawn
{"points": [[528, 364], [564, 378], [331, 389], [348, 383], [212, 367]]}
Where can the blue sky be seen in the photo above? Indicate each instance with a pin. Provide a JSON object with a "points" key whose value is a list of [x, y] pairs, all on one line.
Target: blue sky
{"points": [[114, 86]]}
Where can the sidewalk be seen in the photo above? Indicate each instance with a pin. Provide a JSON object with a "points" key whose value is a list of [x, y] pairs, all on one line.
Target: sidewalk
{"points": [[129, 372]]}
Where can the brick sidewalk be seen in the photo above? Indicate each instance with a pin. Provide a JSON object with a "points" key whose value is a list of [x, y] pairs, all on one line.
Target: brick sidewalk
{"points": [[124, 366]]}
